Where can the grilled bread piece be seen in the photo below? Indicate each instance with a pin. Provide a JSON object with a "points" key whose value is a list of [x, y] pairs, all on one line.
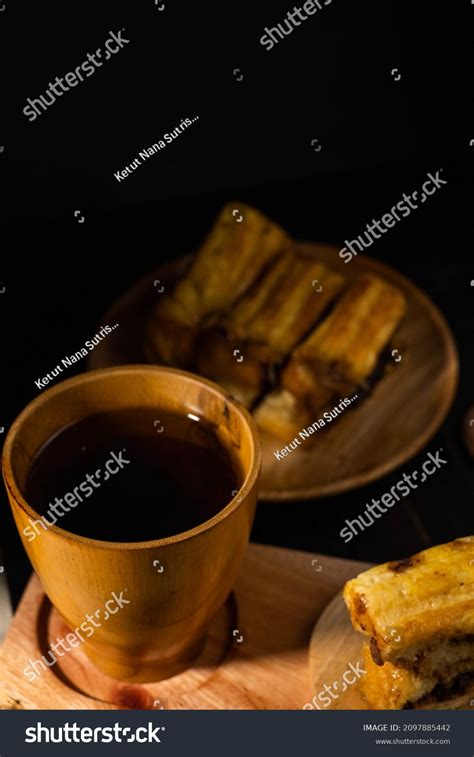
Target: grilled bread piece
{"points": [[266, 323], [341, 353], [237, 370], [230, 260], [390, 687], [280, 310], [419, 612], [280, 415]]}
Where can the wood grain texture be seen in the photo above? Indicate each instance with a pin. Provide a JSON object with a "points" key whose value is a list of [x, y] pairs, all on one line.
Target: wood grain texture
{"points": [[276, 601], [389, 427]]}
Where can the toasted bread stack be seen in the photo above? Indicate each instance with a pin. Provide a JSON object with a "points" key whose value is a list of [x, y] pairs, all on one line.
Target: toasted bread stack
{"points": [[265, 325], [418, 616], [338, 356], [249, 316]]}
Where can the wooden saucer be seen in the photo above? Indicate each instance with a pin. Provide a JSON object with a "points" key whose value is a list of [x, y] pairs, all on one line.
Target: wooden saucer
{"points": [[333, 647]]}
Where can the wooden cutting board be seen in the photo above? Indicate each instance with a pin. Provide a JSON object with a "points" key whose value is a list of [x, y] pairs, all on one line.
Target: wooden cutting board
{"points": [[256, 656], [393, 424]]}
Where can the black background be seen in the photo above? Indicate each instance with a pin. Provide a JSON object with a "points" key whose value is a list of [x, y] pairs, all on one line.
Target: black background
{"points": [[329, 80]]}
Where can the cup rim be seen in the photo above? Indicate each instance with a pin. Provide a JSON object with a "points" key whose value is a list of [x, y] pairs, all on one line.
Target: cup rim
{"points": [[83, 378]]}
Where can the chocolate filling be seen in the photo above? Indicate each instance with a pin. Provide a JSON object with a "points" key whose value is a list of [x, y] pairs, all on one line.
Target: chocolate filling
{"points": [[444, 691], [375, 652], [415, 662]]}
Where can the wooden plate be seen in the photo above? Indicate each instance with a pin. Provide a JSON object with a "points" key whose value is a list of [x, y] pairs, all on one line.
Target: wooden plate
{"points": [[403, 412], [335, 648]]}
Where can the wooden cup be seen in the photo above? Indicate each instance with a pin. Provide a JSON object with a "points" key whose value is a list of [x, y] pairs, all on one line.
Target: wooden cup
{"points": [[161, 629]]}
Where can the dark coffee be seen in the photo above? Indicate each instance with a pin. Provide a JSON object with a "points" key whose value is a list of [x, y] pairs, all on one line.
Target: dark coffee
{"points": [[131, 475]]}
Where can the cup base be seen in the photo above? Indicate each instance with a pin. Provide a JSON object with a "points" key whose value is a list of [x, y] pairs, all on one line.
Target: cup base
{"points": [[141, 688], [150, 671]]}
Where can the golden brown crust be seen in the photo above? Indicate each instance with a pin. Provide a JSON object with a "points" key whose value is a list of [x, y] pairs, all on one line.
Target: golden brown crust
{"points": [[419, 614], [337, 357], [266, 322], [229, 261], [342, 352], [389, 687], [283, 305]]}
